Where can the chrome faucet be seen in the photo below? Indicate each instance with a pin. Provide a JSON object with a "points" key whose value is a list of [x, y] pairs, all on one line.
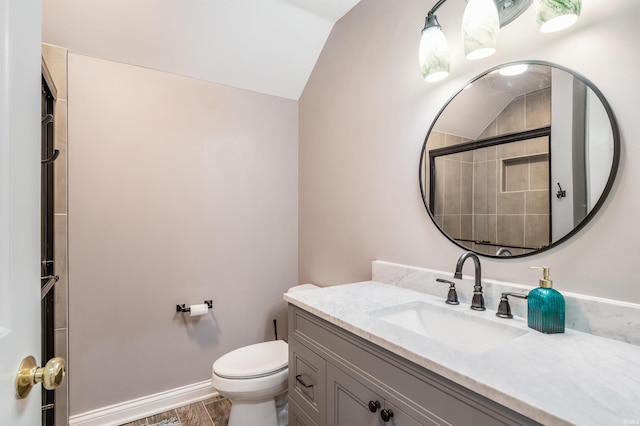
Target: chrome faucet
{"points": [[477, 302]]}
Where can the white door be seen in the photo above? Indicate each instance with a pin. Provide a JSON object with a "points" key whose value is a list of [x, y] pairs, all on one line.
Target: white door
{"points": [[20, 79]]}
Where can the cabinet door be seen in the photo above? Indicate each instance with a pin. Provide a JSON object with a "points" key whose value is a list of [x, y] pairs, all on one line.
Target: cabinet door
{"points": [[348, 403]]}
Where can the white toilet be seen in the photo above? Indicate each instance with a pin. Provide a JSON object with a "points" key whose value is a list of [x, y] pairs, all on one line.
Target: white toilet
{"points": [[254, 378]]}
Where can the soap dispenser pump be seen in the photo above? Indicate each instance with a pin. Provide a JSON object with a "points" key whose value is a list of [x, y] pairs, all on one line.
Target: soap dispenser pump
{"points": [[545, 306]]}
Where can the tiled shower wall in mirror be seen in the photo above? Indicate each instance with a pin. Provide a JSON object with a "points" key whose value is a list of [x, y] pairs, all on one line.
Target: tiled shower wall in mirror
{"points": [[498, 194]]}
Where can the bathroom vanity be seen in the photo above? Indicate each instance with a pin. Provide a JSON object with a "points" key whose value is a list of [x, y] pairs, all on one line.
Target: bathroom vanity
{"points": [[354, 359], [337, 378]]}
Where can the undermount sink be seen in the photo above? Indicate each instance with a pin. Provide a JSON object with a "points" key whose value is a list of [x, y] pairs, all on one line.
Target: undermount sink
{"points": [[453, 327]]}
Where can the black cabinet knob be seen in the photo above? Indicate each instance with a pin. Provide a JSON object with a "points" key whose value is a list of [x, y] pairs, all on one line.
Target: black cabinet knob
{"points": [[386, 415], [373, 406]]}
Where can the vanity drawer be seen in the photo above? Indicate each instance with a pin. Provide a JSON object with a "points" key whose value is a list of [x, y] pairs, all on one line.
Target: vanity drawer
{"points": [[297, 416], [307, 380]]}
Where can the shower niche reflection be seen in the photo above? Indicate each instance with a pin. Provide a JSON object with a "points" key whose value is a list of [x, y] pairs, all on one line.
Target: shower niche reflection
{"points": [[515, 164]]}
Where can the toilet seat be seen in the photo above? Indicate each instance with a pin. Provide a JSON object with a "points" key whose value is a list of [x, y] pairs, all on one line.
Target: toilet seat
{"points": [[253, 361]]}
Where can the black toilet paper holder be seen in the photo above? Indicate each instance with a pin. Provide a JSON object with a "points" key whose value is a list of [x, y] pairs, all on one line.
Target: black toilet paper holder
{"points": [[183, 308]]}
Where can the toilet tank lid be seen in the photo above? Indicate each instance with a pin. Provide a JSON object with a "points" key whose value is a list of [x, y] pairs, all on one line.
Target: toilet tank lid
{"points": [[260, 359], [303, 287]]}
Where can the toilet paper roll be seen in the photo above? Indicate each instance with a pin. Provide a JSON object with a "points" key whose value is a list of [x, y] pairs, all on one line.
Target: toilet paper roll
{"points": [[198, 310]]}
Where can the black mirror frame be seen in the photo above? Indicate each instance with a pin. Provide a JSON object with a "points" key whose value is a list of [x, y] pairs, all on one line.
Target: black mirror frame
{"points": [[605, 191]]}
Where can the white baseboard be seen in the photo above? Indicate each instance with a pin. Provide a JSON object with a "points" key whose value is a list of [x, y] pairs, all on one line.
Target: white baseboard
{"points": [[146, 406]]}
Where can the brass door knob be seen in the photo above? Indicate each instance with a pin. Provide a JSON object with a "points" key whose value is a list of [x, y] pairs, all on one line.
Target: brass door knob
{"points": [[51, 375]]}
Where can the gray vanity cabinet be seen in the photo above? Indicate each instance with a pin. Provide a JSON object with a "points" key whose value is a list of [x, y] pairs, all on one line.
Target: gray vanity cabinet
{"points": [[335, 375]]}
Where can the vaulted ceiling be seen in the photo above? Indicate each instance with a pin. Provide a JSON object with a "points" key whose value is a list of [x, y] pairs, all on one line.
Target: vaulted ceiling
{"points": [[267, 46]]}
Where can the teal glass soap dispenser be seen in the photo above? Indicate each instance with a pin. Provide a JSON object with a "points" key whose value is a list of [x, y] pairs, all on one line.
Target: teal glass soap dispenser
{"points": [[545, 306]]}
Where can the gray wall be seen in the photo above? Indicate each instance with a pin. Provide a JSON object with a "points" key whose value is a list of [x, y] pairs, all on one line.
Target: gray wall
{"points": [[179, 191], [363, 118]]}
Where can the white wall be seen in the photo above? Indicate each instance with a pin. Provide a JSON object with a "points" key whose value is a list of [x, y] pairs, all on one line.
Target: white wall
{"points": [[562, 98], [179, 191], [364, 115], [599, 152]]}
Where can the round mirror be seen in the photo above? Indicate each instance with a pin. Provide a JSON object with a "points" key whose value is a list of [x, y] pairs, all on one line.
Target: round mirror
{"points": [[519, 160]]}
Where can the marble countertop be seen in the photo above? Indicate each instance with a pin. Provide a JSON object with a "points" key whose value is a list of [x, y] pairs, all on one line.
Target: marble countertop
{"points": [[558, 379]]}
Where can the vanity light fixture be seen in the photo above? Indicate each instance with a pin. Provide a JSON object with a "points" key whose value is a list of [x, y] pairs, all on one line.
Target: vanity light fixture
{"points": [[480, 26], [434, 49], [481, 22], [556, 15]]}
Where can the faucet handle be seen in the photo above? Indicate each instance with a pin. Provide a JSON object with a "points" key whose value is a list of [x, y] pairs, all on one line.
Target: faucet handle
{"points": [[504, 309], [452, 296]]}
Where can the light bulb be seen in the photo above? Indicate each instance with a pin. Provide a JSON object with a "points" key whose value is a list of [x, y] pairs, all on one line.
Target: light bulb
{"points": [[480, 26]]}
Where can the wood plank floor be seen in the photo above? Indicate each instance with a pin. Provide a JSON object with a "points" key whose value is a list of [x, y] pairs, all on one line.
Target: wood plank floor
{"points": [[211, 412]]}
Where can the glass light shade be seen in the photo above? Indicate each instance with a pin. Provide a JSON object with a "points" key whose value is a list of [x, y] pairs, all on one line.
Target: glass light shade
{"points": [[556, 15], [480, 26], [434, 53]]}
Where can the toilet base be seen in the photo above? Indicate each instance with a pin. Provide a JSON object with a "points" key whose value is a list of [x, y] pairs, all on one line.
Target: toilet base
{"points": [[261, 413]]}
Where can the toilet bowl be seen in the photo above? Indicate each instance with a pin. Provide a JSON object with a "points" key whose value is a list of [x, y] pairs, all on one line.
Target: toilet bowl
{"points": [[251, 377], [254, 378]]}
